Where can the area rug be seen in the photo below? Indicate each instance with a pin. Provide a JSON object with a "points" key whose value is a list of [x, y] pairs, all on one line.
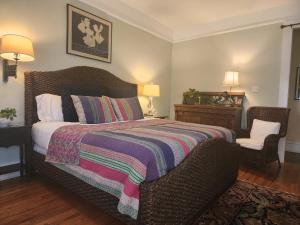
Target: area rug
{"points": [[249, 204]]}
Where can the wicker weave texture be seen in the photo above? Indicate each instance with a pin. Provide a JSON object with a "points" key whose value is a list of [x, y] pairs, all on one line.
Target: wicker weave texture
{"points": [[81, 77], [273, 114], [269, 153], [187, 190], [174, 198]]}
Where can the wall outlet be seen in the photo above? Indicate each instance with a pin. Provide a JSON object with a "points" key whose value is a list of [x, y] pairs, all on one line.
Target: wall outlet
{"points": [[255, 89]]}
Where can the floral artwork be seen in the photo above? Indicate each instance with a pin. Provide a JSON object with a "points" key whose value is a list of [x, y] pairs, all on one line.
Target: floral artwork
{"points": [[92, 36], [88, 35]]}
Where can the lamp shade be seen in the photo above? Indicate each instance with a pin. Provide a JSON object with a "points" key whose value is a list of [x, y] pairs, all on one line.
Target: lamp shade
{"points": [[231, 79], [151, 90], [12, 46]]}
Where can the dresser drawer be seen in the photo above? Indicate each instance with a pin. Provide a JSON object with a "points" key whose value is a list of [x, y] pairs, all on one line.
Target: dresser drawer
{"points": [[229, 117]]}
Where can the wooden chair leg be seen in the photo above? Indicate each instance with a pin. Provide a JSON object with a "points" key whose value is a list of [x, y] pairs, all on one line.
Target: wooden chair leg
{"points": [[278, 161]]}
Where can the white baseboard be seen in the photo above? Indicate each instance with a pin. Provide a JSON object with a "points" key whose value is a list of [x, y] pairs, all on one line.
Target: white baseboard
{"points": [[292, 146], [9, 175]]}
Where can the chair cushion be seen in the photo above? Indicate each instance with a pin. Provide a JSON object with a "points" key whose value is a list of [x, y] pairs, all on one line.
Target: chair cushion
{"points": [[261, 129], [256, 144]]}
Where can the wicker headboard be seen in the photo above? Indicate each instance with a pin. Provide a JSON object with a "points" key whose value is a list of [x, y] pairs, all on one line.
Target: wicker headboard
{"points": [[84, 77]]}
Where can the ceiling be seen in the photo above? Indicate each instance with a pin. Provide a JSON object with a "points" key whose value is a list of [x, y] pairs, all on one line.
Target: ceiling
{"points": [[178, 20]]}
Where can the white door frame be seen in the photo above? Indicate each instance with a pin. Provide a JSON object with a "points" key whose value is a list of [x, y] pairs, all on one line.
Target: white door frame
{"points": [[284, 80]]}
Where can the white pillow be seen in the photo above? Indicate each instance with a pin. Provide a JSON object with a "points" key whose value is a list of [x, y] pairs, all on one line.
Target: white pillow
{"points": [[261, 129], [49, 108]]}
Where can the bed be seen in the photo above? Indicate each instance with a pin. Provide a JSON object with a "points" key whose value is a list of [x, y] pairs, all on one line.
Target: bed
{"points": [[175, 198]]}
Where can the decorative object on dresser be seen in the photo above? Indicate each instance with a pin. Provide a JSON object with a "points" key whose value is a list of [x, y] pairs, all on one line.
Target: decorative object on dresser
{"points": [[259, 142], [192, 97], [151, 90], [15, 135], [16, 48], [211, 108], [88, 35], [297, 86]]}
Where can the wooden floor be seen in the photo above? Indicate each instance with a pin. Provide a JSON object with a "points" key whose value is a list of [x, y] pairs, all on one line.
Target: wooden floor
{"points": [[287, 179], [36, 201]]}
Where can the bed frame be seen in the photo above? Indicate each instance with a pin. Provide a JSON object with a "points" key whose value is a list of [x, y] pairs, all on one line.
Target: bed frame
{"points": [[176, 198]]}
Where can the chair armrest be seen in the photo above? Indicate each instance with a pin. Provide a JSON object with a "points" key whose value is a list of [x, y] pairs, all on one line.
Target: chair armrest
{"points": [[270, 149], [242, 133], [271, 141]]}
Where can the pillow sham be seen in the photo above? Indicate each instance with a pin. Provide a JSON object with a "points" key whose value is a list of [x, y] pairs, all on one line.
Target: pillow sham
{"points": [[49, 108], [93, 110], [69, 111], [127, 108]]}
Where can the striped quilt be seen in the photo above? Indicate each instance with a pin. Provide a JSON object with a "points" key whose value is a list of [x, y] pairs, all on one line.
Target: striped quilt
{"points": [[128, 153]]}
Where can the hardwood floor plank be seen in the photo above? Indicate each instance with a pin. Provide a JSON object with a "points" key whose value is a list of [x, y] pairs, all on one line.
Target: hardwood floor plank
{"points": [[287, 179], [37, 201]]}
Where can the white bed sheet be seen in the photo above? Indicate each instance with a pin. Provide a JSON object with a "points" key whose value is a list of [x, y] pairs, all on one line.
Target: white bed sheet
{"points": [[42, 132], [39, 149]]}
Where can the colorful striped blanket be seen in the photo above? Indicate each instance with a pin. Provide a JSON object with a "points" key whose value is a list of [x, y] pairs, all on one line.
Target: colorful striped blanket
{"points": [[126, 154]]}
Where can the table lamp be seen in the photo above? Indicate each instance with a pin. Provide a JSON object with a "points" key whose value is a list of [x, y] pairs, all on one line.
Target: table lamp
{"points": [[231, 79], [151, 90]]}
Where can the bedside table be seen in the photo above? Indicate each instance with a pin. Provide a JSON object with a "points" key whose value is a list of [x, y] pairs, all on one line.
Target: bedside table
{"points": [[15, 135]]}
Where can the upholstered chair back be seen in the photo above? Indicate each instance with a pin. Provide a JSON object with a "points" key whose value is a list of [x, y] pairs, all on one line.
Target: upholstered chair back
{"points": [[272, 114]]}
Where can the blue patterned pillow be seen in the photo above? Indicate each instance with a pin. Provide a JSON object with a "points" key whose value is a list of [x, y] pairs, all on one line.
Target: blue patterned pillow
{"points": [[93, 110]]}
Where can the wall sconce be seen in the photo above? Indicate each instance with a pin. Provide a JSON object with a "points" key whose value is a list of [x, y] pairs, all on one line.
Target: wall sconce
{"points": [[16, 48]]}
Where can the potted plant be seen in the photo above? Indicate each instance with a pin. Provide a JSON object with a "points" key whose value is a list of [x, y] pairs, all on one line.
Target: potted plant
{"points": [[191, 97], [7, 115]]}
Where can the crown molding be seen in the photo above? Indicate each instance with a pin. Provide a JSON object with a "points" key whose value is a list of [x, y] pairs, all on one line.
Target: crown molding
{"points": [[132, 16], [257, 19], [136, 18]]}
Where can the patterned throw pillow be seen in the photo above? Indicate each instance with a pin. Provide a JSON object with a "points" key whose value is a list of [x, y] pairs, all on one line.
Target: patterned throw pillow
{"points": [[93, 110], [127, 108], [69, 111]]}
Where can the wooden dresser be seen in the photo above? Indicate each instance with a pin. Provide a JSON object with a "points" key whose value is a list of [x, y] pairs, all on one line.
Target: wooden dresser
{"points": [[225, 116]]}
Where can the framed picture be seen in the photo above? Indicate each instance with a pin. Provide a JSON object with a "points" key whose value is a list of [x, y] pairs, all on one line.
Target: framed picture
{"points": [[297, 88], [88, 35]]}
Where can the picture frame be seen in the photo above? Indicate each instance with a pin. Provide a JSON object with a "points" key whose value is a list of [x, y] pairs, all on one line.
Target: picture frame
{"points": [[88, 35], [297, 85]]}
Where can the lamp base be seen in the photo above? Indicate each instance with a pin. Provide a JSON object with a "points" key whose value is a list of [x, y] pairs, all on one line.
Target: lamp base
{"points": [[150, 106], [8, 70]]}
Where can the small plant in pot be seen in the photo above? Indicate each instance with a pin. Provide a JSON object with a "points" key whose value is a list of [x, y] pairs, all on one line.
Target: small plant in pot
{"points": [[7, 115]]}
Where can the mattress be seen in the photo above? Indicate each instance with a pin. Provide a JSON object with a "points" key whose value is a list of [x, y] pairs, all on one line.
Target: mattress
{"points": [[42, 132]]}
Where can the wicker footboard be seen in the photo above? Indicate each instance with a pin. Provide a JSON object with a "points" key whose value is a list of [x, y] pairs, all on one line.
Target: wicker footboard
{"points": [[175, 198]]}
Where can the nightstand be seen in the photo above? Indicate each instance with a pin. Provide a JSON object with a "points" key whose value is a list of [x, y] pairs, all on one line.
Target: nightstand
{"points": [[15, 135]]}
